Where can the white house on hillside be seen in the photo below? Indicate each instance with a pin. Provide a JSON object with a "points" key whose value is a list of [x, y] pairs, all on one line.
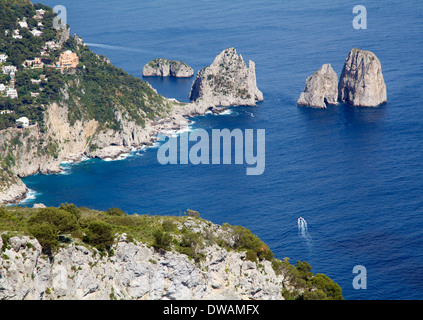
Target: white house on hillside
{"points": [[16, 34], [23, 122], [40, 12], [36, 33], [23, 24], [3, 58], [12, 93], [9, 69], [6, 111], [51, 45]]}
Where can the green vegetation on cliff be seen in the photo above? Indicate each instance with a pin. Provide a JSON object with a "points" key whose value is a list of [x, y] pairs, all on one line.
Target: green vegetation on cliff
{"points": [[186, 234], [98, 90], [94, 90], [20, 50], [33, 77]]}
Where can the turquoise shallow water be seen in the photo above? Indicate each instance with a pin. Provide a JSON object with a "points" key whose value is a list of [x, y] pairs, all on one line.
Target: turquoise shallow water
{"points": [[355, 175]]}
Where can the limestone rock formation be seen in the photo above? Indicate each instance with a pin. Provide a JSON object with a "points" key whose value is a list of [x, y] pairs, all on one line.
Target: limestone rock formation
{"points": [[71, 142], [361, 83], [165, 68], [227, 82], [320, 89], [13, 192], [42, 149], [134, 271]]}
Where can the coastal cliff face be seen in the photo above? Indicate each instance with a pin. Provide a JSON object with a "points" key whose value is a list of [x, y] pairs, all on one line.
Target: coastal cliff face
{"points": [[226, 82], [361, 83], [320, 89], [25, 152], [13, 189], [69, 135], [165, 68], [95, 109], [134, 271], [32, 150]]}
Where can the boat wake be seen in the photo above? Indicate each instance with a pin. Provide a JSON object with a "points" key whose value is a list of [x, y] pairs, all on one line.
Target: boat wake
{"points": [[303, 230]]}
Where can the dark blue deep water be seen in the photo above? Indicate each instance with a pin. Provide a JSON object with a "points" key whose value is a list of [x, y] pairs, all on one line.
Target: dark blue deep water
{"points": [[355, 175]]}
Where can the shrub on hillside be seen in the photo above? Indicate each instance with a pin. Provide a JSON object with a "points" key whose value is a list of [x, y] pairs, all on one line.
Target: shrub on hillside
{"points": [[99, 234], [332, 290], [71, 208], [46, 234], [64, 221], [162, 240], [115, 212]]}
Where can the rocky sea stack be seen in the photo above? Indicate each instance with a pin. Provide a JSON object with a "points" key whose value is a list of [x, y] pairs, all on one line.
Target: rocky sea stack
{"points": [[165, 68], [227, 82], [361, 83], [320, 89]]}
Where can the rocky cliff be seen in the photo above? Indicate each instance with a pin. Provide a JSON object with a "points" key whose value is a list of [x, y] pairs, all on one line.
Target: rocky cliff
{"points": [[361, 83], [320, 89], [13, 189], [226, 82], [97, 110], [93, 110], [199, 259], [135, 271], [69, 135], [165, 68], [33, 150]]}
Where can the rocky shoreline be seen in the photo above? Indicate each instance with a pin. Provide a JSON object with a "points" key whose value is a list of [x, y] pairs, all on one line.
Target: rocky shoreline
{"points": [[15, 194], [111, 144]]}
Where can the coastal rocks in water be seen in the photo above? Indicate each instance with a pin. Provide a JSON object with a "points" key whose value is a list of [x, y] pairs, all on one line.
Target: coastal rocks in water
{"points": [[13, 191], [165, 68], [361, 83], [226, 82], [320, 89]]}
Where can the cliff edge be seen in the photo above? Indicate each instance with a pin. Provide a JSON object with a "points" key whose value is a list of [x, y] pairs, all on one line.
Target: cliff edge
{"points": [[72, 253]]}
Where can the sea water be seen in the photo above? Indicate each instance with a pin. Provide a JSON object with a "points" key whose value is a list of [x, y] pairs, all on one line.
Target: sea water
{"points": [[353, 174]]}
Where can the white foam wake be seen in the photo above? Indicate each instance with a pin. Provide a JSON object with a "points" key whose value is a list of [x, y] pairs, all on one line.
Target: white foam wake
{"points": [[303, 230], [106, 46]]}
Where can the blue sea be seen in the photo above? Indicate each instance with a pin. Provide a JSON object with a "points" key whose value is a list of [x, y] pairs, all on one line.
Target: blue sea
{"points": [[354, 174]]}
